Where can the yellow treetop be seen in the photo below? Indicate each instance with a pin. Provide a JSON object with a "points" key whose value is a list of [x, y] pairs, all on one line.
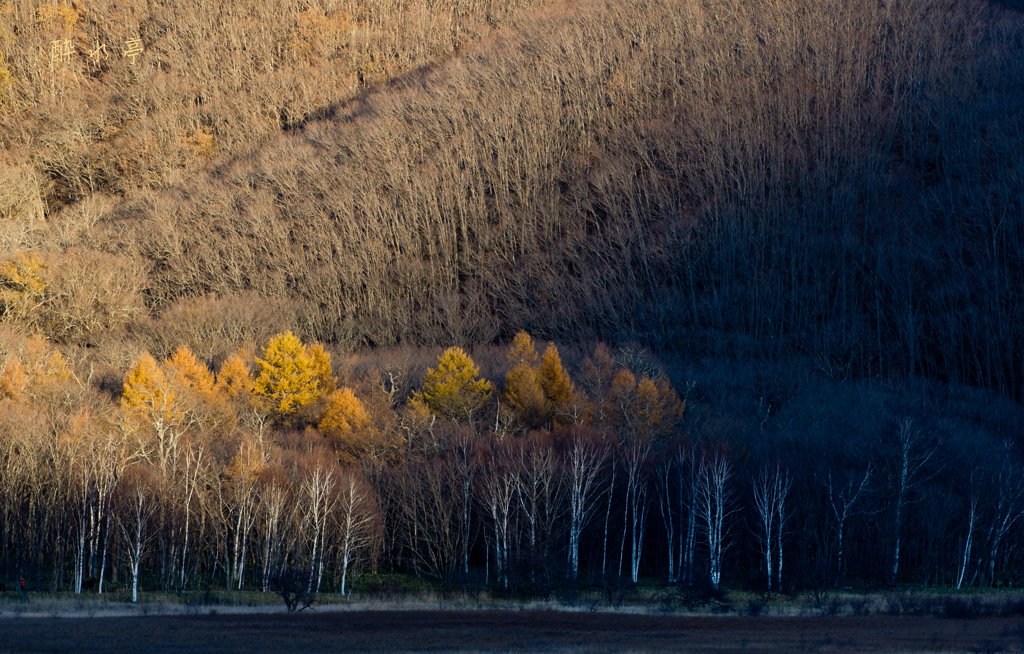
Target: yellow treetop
{"points": [[522, 392], [150, 400], [187, 371], [453, 389], [656, 408], [344, 418], [554, 380], [622, 387], [523, 352], [146, 386], [324, 371], [524, 395], [234, 381], [289, 376]]}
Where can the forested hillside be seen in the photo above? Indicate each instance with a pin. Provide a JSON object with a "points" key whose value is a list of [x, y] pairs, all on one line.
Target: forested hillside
{"points": [[796, 226]]}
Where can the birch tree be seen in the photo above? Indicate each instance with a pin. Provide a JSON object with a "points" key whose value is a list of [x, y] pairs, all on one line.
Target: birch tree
{"points": [[136, 507], [912, 454], [318, 498], [583, 460], [714, 506], [841, 501], [770, 491], [356, 516]]}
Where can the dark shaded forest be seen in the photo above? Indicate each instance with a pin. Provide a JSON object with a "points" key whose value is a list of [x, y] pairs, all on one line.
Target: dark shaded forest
{"points": [[797, 227]]}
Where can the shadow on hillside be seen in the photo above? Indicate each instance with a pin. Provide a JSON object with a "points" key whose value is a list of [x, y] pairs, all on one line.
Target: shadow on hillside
{"points": [[1012, 5]]}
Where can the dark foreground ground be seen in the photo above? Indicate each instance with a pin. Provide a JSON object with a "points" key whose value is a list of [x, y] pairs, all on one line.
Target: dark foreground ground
{"points": [[497, 631]]}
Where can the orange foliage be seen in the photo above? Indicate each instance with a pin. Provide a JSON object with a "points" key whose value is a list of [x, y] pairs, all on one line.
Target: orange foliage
{"points": [[13, 378], [234, 381]]}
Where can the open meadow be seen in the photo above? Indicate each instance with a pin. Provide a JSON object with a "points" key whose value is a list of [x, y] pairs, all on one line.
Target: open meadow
{"points": [[429, 622], [507, 631]]}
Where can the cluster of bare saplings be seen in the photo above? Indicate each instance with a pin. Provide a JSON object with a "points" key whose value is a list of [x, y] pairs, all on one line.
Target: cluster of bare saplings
{"points": [[755, 178], [283, 466]]}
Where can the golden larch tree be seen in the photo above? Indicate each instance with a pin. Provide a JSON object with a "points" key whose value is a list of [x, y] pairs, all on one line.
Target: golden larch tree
{"points": [[150, 402], [290, 376], [522, 392], [345, 422], [194, 383], [559, 393], [454, 389], [234, 381], [322, 365], [187, 371]]}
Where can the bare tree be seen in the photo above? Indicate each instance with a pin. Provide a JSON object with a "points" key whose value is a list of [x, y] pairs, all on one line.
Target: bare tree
{"points": [[276, 508], [972, 525], [356, 516], [665, 483], [714, 506], [244, 472], [318, 498], [136, 507], [634, 518], [1008, 509], [770, 491], [583, 460], [539, 491], [841, 501], [912, 455], [498, 491]]}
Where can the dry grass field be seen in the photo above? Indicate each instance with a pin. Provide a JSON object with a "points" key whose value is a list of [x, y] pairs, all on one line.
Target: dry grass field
{"points": [[502, 631]]}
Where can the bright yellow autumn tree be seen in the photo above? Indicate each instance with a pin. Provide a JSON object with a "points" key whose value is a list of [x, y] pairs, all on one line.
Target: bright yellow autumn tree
{"points": [[150, 402], [234, 381], [322, 365], [291, 377], [194, 383], [345, 422], [523, 393], [454, 389], [187, 371], [559, 392]]}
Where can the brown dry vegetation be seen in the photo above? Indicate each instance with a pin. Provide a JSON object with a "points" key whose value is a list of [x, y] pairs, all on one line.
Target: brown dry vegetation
{"points": [[838, 180]]}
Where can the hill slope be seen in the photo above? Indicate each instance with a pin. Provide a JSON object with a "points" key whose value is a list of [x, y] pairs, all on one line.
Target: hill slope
{"points": [[841, 180]]}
